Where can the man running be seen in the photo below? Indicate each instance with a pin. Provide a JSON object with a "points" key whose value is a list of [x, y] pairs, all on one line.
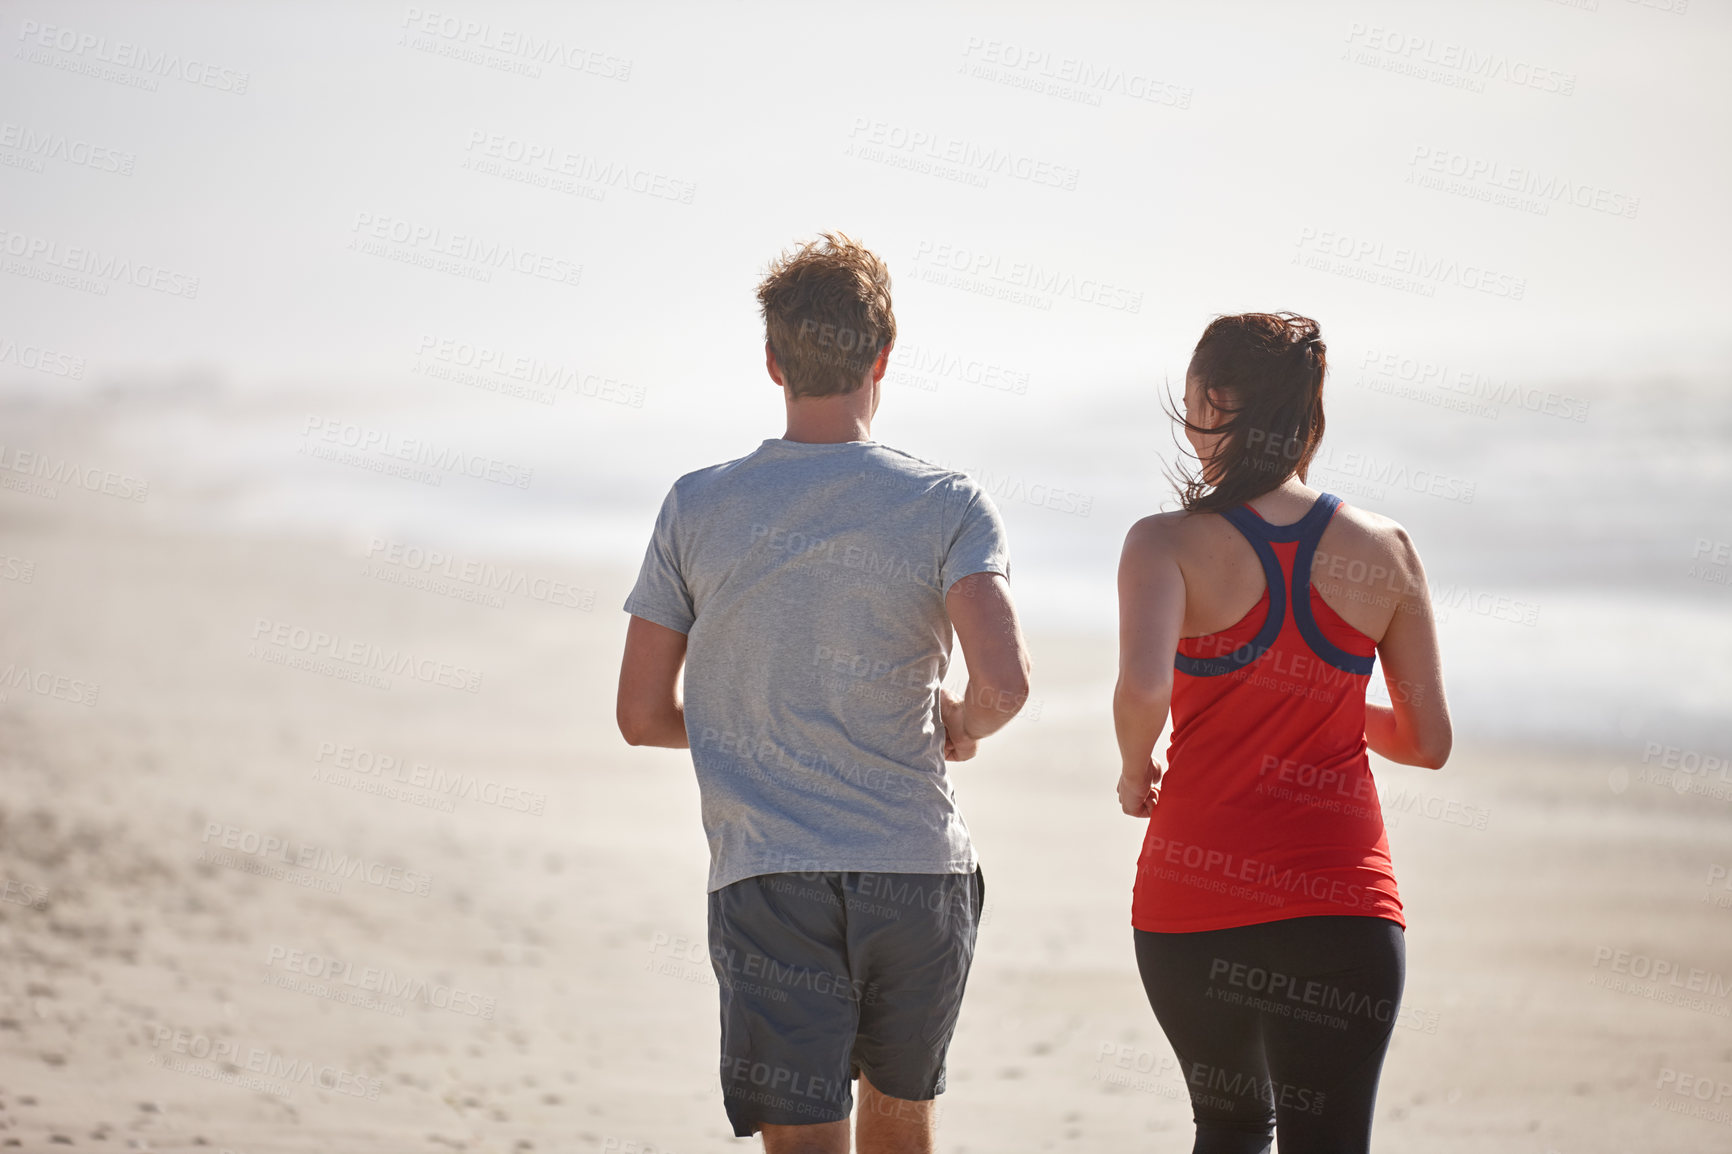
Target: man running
{"points": [[810, 589]]}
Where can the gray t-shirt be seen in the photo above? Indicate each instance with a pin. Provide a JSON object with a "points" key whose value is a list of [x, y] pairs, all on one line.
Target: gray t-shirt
{"points": [[810, 581]]}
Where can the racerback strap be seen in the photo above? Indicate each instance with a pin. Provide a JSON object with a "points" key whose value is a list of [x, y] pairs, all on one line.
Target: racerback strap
{"points": [[1307, 531]]}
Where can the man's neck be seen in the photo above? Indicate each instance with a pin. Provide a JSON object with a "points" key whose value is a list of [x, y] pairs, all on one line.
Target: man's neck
{"points": [[827, 420]]}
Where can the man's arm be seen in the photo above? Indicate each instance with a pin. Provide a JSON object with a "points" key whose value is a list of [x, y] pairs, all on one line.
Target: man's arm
{"points": [[649, 710], [998, 666]]}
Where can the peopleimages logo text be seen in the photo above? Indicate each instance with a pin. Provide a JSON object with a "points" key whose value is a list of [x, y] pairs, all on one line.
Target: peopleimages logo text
{"points": [[362, 655], [103, 266], [1025, 275], [1412, 262], [321, 431], [125, 54], [315, 858], [432, 240]]}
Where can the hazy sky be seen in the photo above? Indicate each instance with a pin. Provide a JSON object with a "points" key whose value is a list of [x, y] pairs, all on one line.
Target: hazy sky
{"points": [[1194, 152]]}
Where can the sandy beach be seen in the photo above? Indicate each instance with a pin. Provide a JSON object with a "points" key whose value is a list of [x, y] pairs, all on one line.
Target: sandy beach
{"points": [[348, 352], [258, 901]]}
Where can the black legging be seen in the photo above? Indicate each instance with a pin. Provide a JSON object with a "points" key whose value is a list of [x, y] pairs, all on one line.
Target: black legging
{"points": [[1283, 1024]]}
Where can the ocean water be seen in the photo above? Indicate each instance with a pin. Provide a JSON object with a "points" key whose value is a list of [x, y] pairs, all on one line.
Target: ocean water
{"points": [[1575, 533]]}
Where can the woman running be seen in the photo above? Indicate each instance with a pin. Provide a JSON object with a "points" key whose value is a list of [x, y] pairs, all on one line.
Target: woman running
{"points": [[1268, 930]]}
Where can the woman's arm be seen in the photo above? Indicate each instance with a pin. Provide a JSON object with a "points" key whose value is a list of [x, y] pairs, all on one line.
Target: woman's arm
{"points": [[1414, 729], [1151, 616]]}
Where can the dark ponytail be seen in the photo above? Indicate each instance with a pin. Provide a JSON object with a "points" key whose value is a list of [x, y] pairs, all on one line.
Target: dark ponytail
{"points": [[1263, 372]]}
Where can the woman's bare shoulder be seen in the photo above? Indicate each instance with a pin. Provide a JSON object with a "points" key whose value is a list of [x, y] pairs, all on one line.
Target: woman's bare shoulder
{"points": [[1166, 530], [1362, 531]]}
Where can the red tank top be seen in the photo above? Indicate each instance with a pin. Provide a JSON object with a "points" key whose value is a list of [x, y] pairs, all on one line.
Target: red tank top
{"points": [[1267, 808]]}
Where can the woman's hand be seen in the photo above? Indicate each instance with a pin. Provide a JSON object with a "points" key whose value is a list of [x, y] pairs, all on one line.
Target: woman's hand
{"points": [[1139, 789]]}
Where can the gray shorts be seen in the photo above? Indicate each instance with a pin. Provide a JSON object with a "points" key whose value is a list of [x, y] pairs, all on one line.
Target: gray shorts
{"points": [[827, 975]]}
